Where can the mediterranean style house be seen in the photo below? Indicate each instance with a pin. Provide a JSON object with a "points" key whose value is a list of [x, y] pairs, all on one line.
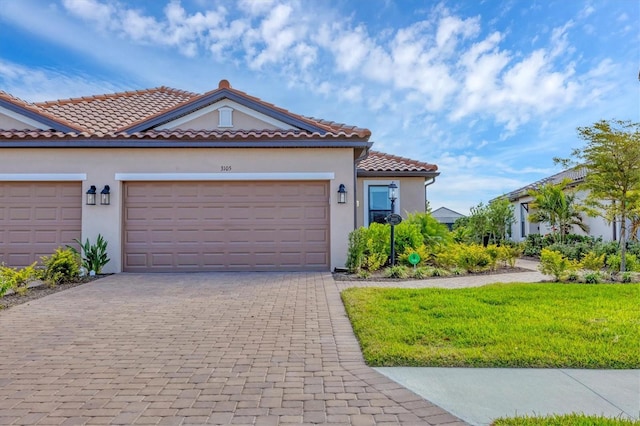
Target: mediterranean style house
{"points": [[520, 198], [179, 181]]}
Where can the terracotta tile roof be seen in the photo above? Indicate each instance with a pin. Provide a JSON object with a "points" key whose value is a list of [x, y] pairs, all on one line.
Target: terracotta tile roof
{"points": [[381, 162], [180, 134], [575, 175], [103, 114], [35, 109]]}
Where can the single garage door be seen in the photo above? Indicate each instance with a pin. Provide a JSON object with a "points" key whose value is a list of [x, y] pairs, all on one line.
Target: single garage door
{"points": [[226, 226], [36, 218]]}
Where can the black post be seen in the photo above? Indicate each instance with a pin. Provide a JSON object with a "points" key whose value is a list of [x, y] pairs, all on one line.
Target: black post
{"points": [[393, 243]]}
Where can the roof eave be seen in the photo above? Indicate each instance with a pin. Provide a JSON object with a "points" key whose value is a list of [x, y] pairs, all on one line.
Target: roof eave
{"points": [[389, 173], [179, 143], [36, 116]]}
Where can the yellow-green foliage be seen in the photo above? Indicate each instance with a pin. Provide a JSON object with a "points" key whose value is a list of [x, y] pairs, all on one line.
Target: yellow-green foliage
{"points": [[592, 262], [632, 264], [422, 251], [554, 263], [448, 258], [509, 254], [494, 253], [62, 266], [473, 258], [17, 279]]}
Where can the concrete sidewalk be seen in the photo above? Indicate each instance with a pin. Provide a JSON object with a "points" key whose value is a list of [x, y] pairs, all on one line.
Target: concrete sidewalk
{"points": [[481, 395]]}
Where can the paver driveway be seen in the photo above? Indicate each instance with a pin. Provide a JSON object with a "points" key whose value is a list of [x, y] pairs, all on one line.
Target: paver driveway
{"points": [[192, 349]]}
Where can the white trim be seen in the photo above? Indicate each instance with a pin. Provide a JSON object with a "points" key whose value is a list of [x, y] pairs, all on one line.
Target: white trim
{"points": [[365, 187], [221, 104], [23, 119], [20, 177], [222, 176]]}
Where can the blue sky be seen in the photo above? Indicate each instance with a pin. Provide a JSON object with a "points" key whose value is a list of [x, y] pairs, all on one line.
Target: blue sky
{"points": [[490, 91]]}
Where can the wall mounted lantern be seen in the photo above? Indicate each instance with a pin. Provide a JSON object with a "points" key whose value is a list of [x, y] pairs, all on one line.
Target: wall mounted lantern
{"points": [[342, 194], [105, 196], [91, 196]]}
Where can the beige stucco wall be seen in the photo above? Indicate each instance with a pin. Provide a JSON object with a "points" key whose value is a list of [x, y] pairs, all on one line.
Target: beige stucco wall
{"points": [[411, 195], [101, 165]]}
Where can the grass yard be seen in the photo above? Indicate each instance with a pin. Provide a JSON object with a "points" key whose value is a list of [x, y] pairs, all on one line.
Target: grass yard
{"points": [[564, 420], [500, 325]]}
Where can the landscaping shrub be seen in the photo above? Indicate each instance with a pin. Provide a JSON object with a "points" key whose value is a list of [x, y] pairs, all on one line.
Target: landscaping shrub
{"points": [[94, 256], [592, 278], [592, 262], [613, 262], [357, 247], [508, 254], [422, 251], [421, 272], [433, 233], [17, 279], [554, 263], [407, 237], [448, 258], [397, 271], [473, 258], [61, 267]]}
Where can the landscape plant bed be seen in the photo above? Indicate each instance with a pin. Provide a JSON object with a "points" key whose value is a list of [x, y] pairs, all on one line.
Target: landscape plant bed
{"points": [[380, 275], [39, 291], [564, 420], [542, 325]]}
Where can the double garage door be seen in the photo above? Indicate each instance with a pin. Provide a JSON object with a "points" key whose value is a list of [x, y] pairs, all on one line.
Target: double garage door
{"points": [[36, 218], [226, 226]]}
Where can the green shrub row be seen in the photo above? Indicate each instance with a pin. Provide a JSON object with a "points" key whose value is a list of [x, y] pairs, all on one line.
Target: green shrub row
{"points": [[575, 246], [369, 249], [595, 266]]}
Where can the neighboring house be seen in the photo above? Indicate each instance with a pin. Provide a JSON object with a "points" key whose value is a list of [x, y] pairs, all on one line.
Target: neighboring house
{"points": [[191, 182], [446, 216], [520, 198]]}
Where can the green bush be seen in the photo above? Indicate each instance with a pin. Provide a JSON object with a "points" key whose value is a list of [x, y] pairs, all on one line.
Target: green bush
{"points": [[422, 251], [614, 260], [592, 262], [397, 271], [356, 250], [433, 233], [473, 258], [592, 278], [407, 237], [94, 256], [17, 279], [554, 263], [421, 272], [508, 254], [61, 267]]}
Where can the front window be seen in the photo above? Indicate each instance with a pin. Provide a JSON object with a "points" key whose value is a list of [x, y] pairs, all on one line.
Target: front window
{"points": [[379, 203]]}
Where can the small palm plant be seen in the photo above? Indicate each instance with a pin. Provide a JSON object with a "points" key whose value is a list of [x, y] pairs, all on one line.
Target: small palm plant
{"points": [[94, 256]]}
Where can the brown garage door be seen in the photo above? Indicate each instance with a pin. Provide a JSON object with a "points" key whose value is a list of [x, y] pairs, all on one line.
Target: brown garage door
{"points": [[36, 218], [226, 226]]}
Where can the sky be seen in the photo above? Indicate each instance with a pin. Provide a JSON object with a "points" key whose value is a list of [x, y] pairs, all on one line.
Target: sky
{"points": [[489, 91]]}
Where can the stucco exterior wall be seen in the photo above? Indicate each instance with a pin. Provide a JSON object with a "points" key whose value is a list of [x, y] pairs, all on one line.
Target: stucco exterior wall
{"points": [[101, 165], [411, 195]]}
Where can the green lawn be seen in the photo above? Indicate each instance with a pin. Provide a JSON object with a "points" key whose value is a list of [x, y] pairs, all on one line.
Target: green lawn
{"points": [[500, 325], [564, 420]]}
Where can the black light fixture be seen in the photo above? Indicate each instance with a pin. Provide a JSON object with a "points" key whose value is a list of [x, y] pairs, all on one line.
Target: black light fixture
{"points": [[342, 194], [91, 196], [105, 196], [393, 195]]}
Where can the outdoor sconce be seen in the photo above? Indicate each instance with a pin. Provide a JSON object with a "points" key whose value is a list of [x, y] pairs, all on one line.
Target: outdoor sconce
{"points": [[342, 194], [105, 196], [91, 196], [393, 195]]}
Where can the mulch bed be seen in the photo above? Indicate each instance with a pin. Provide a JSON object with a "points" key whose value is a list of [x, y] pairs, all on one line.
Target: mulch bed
{"points": [[379, 275], [40, 291]]}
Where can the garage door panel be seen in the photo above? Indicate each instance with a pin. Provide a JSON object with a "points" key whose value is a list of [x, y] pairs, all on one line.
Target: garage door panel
{"points": [[36, 218], [226, 225]]}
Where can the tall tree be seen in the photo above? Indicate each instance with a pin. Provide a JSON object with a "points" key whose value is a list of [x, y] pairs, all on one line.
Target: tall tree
{"points": [[556, 205], [612, 159]]}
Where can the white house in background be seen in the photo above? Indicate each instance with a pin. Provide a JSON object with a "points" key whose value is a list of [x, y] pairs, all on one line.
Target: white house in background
{"points": [[520, 198], [446, 216]]}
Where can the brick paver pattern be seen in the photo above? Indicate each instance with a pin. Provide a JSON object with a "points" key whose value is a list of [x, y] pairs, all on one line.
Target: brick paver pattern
{"points": [[219, 348]]}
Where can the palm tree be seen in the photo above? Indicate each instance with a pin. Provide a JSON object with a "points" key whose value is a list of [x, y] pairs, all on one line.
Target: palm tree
{"points": [[554, 205]]}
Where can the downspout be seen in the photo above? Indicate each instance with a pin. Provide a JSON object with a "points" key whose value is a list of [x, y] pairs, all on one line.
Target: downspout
{"points": [[427, 183], [365, 154]]}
